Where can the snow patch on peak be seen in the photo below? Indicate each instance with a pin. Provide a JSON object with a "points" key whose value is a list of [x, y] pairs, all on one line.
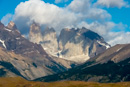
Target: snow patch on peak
{"points": [[3, 43], [103, 44], [45, 48], [17, 38], [8, 30]]}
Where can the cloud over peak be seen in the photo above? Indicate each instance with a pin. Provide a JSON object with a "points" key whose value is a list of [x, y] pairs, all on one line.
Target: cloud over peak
{"points": [[44, 14], [54, 16], [79, 13]]}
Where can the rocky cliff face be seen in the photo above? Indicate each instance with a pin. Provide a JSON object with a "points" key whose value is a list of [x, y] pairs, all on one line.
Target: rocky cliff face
{"points": [[11, 25], [35, 33], [47, 38], [110, 66], [28, 59], [72, 44], [49, 42], [80, 44]]}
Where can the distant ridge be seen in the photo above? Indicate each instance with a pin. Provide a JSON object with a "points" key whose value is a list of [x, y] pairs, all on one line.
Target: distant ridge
{"points": [[113, 65]]}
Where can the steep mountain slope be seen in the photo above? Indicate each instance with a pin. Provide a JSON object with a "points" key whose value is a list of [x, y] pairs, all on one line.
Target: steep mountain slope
{"points": [[77, 45], [110, 66], [29, 59]]}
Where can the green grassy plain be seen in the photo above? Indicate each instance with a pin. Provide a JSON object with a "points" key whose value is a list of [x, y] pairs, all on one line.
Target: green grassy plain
{"points": [[20, 82]]}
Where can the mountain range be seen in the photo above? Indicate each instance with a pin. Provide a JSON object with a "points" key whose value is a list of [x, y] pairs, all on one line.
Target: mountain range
{"points": [[21, 57], [76, 45], [109, 66], [74, 54]]}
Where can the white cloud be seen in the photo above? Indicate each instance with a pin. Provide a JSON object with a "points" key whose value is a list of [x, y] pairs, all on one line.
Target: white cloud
{"points": [[81, 6], [101, 29], [6, 19], [112, 3], [98, 14], [119, 38], [44, 14], [54, 16], [86, 9], [121, 27], [78, 13], [107, 32]]}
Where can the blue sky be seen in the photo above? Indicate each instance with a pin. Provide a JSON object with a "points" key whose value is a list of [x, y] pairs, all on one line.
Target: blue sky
{"points": [[118, 14], [8, 6], [104, 16]]}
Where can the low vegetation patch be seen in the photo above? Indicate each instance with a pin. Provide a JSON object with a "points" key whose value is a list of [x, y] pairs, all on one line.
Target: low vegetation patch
{"points": [[20, 82]]}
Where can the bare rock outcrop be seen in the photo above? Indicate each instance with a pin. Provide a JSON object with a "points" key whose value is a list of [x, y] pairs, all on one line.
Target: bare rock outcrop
{"points": [[76, 45], [27, 59]]}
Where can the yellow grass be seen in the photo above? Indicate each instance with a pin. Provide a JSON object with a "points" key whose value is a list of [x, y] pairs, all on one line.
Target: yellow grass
{"points": [[20, 82]]}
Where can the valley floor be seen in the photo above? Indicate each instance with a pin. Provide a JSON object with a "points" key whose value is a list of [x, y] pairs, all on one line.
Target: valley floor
{"points": [[20, 82]]}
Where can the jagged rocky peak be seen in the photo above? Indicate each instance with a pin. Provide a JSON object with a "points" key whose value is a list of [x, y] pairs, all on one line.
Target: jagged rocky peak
{"points": [[35, 33], [29, 59], [7, 35], [47, 38], [49, 42], [35, 27], [64, 36], [80, 44], [76, 44], [11, 25], [48, 30]]}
